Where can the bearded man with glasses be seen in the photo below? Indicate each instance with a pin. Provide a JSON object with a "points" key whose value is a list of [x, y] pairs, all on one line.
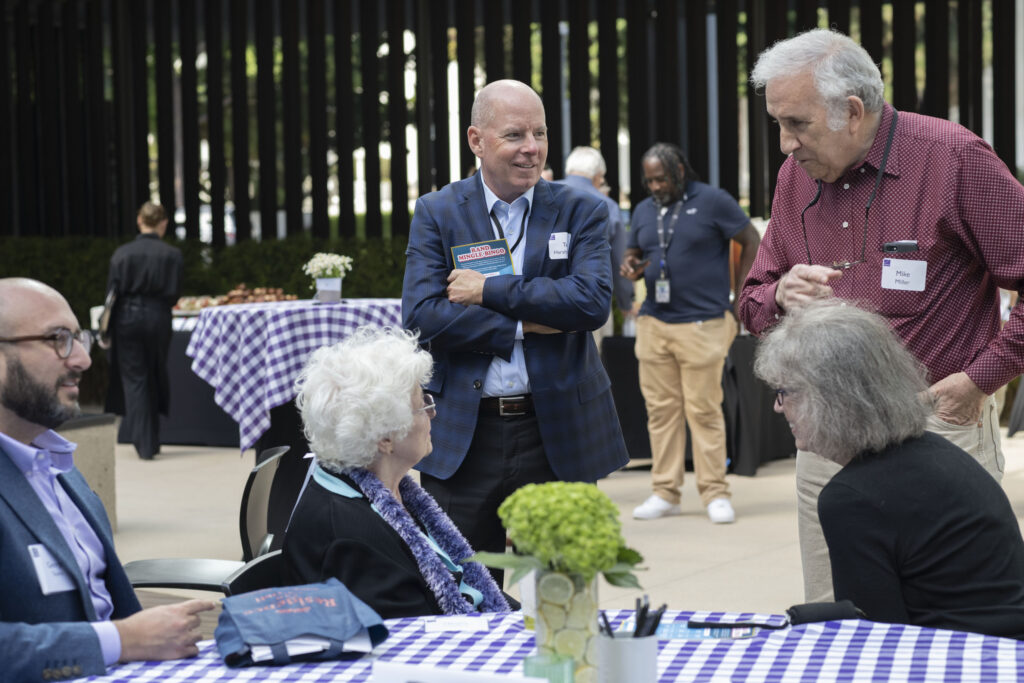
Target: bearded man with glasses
{"points": [[909, 215], [67, 608]]}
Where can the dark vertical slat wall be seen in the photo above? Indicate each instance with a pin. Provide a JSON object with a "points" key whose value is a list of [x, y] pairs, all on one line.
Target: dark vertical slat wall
{"points": [[695, 93], [344, 116], [494, 40], [1004, 121], [214, 35], [369, 37], [105, 103], [904, 75], [579, 74], [935, 101], [291, 119], [189, 116], [266, 117], [316, 81], [969, 64], [727, 25], [27, 181], [7, 193], [162, 26], [608, 93], [397, 118], [240, 119], [551, 83], [465, 48], [124, 118]]}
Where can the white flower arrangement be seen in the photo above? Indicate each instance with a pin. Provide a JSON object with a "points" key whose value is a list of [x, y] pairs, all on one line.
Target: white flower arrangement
{"points": [[328, 265]]}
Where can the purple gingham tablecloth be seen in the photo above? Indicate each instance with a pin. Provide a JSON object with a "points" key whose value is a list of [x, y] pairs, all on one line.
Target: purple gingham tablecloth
{"points": [[831, 651], [251, 354]]}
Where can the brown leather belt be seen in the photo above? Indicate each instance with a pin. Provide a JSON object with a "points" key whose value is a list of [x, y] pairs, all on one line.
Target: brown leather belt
{"points": [[507, 406]]}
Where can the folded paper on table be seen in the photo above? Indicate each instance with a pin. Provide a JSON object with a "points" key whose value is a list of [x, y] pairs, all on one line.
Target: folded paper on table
{"points": [[492, 257], [317, 621]]}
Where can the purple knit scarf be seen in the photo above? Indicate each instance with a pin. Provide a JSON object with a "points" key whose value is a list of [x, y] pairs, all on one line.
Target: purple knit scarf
{"points": [[420, 505]]}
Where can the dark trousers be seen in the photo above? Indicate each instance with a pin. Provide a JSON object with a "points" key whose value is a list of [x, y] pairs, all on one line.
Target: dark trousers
{"points": [[505, 454], [142, 337]]}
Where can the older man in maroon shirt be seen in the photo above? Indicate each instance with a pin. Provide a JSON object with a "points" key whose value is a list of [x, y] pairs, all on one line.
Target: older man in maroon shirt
{"points": [[912, 216]]}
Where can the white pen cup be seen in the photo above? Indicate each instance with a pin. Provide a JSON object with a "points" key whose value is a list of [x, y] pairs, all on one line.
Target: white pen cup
{"points": [[625, 658]]}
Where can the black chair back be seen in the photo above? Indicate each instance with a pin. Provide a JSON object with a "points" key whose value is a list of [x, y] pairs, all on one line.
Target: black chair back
{"points": [[253, 513], [266, 571]]}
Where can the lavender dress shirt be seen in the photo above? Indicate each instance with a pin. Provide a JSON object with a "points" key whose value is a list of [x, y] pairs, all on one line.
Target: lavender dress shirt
{"points": [[48, 456]]}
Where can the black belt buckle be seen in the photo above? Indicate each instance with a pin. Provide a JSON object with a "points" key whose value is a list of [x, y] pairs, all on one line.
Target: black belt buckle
{"points": [[516, 406]]}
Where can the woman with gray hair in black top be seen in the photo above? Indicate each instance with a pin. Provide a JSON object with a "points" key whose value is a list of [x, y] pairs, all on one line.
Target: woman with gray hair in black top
{"points": [[917, 531]]}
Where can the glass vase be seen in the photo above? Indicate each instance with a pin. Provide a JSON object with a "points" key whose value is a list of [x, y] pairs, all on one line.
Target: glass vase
{"points": [[566, 621], [328, 289]]}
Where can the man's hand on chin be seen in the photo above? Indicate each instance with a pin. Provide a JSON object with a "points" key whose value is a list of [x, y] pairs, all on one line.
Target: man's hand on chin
{"points": [[466, 287]]}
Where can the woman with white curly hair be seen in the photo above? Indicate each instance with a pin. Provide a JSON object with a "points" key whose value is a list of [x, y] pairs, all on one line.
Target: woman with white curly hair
{"points": [[361, 518]]}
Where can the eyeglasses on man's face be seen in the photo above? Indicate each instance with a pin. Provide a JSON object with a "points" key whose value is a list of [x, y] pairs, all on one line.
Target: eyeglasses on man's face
{"points": [[429, 406], [63, 340]]}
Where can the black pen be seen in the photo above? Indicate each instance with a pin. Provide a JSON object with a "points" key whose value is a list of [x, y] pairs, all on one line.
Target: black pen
{"points": [[656, 620], [641, 616], [607, 627]]}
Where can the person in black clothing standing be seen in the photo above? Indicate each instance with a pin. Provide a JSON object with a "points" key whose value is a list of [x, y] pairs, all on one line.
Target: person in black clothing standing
{"points": [[145, 276]]}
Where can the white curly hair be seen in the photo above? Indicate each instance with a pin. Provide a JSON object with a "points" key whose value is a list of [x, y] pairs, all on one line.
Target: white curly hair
{"points": [[357, 392]]}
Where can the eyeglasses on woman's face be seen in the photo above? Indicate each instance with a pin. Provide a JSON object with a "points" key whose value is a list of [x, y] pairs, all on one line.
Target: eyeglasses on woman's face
{"points": [[780, 396], [429, 406], [63, 340]]}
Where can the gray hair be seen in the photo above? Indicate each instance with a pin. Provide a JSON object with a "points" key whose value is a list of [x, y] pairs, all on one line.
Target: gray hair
{"points": [[853, 386], [358, 391], [585, 161], [840, 68], [484, 104]]}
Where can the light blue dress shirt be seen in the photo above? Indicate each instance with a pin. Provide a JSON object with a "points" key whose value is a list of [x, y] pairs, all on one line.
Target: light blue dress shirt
{"points": [[509, 378]]}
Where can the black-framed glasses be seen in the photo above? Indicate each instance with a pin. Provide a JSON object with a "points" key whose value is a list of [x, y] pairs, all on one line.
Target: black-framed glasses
{"points": [[429, 405], [780, 396], [63, 340]]}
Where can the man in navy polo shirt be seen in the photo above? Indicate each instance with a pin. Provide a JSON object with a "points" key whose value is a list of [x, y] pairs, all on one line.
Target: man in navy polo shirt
{"points": [[680, 243]]}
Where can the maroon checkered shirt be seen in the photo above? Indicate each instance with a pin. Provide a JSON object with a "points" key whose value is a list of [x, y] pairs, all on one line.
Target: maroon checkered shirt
{"points": [[944, 187]]}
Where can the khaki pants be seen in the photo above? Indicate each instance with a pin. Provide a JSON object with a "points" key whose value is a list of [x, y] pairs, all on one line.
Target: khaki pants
{"points": [[813, 472], [681, 380]]}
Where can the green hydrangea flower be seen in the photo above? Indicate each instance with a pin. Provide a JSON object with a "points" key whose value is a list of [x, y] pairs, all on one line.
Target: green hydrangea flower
{"points": [[569, 527]]}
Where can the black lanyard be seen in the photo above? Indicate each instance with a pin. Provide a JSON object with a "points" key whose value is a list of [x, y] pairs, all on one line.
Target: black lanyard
{"points": [[663, 242], [522, 225], [867, 207]]}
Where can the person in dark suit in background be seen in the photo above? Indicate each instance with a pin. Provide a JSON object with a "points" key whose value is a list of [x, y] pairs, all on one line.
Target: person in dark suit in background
{"points": [[67, 608], [521, 392], [145, 276]]}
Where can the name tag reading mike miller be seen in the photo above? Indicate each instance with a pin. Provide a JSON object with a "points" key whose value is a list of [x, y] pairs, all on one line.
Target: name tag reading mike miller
{"points": [[903, 274], [490, 258]]}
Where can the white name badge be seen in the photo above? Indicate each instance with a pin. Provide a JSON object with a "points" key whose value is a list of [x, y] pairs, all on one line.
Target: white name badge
{"points": [[52, 577], [558, 246], [902, 274]]}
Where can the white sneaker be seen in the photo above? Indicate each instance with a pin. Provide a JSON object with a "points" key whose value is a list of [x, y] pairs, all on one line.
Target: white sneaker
{"points": [[720, 511], [655, 507]]}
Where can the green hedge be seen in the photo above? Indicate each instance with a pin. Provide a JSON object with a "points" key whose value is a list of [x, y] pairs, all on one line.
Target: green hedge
{"points": [[77, 268]]}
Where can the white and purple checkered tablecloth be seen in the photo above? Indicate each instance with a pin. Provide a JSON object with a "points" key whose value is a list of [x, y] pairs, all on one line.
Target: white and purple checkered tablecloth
{"points": [[831, 651], [251, 354]]}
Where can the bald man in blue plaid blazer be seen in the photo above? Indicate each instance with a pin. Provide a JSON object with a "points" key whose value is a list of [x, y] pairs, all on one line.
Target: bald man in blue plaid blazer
{"points": [[557, 420]]}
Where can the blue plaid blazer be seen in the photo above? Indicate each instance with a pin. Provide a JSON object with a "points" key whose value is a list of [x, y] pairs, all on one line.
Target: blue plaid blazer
{"points": [[571, 390]]}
